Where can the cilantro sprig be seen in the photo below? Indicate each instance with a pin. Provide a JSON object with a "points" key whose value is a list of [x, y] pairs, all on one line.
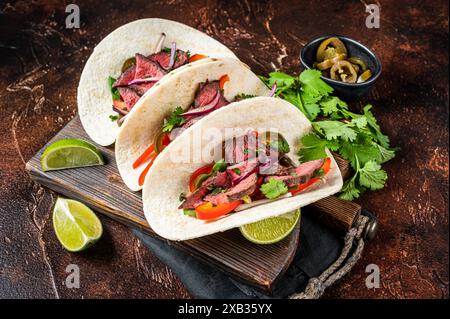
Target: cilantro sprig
{"points": [[356, 137], [175, 119], [274, 188]]}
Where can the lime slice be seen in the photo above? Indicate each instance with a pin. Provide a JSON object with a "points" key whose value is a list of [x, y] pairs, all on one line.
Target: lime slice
{"points": [[271, 230], [70, 153], [75, 224]]}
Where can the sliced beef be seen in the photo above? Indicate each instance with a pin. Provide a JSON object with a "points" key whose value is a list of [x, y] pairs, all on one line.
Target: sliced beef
{"points": [[125, 77], [241, 170], [142, 88], [206, 93], [163, 59], [300, 174], [241, 148], [246, 187], [147, 68], [129, 96], [219, 179]]}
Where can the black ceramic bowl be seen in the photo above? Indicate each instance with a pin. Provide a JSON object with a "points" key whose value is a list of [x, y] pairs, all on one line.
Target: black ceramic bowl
{"points": [[347, 91]]}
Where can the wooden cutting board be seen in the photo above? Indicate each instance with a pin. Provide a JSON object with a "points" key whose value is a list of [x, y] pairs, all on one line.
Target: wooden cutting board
{"points": [[101, 188]]}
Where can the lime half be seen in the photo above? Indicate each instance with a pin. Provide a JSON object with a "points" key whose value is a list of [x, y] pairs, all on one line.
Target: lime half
{"points": [[271, 230], [76, 225], [70, 153]]}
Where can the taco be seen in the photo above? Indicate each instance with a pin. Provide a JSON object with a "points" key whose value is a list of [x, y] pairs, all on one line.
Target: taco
{"points": [[128, 63], [176, 105], [248, 170]]}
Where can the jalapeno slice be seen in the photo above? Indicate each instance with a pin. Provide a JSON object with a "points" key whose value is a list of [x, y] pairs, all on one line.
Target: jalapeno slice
{"points": [[128, 63], [329, 48], [343, 71], [364, 76], [328, 63], [359, 62]]}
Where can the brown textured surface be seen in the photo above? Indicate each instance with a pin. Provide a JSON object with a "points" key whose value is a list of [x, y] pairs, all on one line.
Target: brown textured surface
{"points": [[40, 65]]}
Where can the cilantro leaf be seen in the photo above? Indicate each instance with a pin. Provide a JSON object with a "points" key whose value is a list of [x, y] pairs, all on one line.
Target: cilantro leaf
{"points": [[280, 144], [384, 154], [243, 96], [332, 105], [274, 188], [175, 119], [349, 191], [362, 152], [313, 85], [372, 176], [335, 129], [313, 110], [114, 92], [372, 123], [283, 80], [113, 118], [313, 148]]}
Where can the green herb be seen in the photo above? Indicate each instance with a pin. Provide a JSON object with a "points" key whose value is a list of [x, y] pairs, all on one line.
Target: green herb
{"points": [[281, 145], [274, 188], [166, 50], [113, 118], [356, 137], [319, 174], [243, 96], [175, 119], [190, 212], [216, 190], [188, 53], [237, 171], [219, 166], [246, 151], [182, 197], [114, 92]]}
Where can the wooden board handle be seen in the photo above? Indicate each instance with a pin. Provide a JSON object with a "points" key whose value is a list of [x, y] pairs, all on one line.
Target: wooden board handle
{"points": [[336, 212]]}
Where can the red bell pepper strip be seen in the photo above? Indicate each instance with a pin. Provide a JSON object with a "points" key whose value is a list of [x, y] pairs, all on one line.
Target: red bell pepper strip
{"points": [[208, 211], [224, 79], [197, 57], [202, 170], [325, 167], [144, 157], [145, 171]]}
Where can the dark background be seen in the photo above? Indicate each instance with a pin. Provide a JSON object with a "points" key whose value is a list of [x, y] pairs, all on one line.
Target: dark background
{"points": [[40, 66]]}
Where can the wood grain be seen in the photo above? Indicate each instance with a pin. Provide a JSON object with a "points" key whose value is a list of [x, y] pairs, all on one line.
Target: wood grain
{"points": [[101, 188]]}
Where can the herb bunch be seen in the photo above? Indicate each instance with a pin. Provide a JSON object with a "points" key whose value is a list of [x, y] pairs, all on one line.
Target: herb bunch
{"points": [[356, 137]]}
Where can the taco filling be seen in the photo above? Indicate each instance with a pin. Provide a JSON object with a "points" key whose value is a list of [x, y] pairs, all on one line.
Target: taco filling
{"points": [[141, 72], [254, 169], [208, 97]]}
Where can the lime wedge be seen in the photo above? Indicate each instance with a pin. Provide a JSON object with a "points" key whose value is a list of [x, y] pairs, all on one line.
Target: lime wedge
{"points": [[70, 153], [75, 224], [271, 230]]}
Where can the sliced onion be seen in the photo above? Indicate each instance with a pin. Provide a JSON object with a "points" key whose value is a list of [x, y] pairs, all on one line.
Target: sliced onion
{"points": [[160, 42], [173, 52], [260, 202], [274, 88], [242, 177], [121, 112], [145, 80], [204, 109]]}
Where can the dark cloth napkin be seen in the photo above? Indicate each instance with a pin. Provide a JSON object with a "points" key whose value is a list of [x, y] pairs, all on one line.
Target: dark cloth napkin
{"points": [[319, 247]]}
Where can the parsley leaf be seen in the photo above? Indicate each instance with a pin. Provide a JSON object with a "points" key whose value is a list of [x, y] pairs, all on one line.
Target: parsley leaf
{"points": [[313, 148], [114, 92], [175, 119], [274, 188]]}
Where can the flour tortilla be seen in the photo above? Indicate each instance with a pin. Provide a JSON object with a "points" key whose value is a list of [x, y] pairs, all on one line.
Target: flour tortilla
{"points": [[140, 36], [146, 118], [168, 178]]}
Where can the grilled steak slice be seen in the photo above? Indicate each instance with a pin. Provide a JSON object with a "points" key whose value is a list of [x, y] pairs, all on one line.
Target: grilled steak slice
{"points": [[300, 174], [147, 68], [206, 93], [241, 170], [129, 96], [241, 148], [246, 187], [142, 88], [219, 179], [163, 59], [125, 77]]}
